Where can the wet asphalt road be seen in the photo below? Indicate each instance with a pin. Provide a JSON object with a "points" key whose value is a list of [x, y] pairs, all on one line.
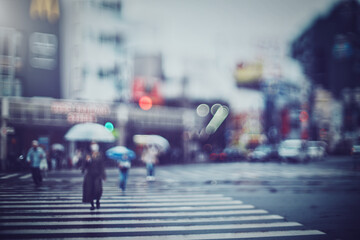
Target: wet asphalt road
{"points": [[322, 196]]}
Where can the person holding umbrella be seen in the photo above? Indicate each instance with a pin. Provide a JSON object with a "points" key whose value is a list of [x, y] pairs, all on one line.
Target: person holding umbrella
{"points": [[123, 156], [150, 158], [124, 167], [153, 146], [95, 173]]}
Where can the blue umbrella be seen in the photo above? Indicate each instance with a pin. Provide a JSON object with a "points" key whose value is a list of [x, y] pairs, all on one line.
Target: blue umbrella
{"points": [[117, 153]]}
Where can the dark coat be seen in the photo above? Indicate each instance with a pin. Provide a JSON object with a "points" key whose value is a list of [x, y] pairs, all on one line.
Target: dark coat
{"points": [[95, 173]]}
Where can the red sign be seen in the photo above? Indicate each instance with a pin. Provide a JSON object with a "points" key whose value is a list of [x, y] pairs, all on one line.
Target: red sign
{"points": [[304, 116], [142, 87]]}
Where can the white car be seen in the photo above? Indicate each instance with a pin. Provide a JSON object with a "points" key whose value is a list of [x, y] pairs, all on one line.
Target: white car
{"points": [[316, 150], [293, 150]]}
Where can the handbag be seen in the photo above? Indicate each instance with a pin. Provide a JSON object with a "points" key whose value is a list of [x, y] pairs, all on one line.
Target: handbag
{"points": [[43, 164], [124, 164]]}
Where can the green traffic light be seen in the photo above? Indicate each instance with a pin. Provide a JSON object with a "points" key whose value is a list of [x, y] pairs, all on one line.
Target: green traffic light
{"points": [[109, 126]]}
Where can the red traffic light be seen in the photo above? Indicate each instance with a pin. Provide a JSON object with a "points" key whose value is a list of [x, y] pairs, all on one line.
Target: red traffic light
{"points": [[145, 103], [304, 116]]}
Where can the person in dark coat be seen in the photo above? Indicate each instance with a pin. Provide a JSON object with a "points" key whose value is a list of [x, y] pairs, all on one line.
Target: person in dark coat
{"points": [[95, 173]]}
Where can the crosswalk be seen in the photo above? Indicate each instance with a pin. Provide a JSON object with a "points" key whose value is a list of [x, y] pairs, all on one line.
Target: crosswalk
{"points": [[148, 210]]}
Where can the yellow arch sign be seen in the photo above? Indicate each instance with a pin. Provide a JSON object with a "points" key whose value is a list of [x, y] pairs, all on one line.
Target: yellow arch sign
{"points": [[45, 9]]}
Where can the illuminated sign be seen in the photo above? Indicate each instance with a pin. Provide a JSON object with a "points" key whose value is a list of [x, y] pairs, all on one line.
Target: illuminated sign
{"points": [[248, 74], [43, 50], [145, 103], [144, 87], [80, 112], [48, 9], [303, 116]]}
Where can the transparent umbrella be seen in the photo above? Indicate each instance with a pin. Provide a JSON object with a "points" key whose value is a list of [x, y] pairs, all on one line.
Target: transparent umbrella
{"points": [[160, 142], [89, 132], [57, 147]]}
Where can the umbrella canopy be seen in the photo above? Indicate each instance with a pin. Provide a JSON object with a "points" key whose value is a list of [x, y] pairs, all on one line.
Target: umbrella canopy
{"points": [[89, 132], [57, 147], [117, 153], [160, 142]]}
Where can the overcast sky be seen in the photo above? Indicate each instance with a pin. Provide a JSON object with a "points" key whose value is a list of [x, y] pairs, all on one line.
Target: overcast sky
{"points": [[204, 39]]}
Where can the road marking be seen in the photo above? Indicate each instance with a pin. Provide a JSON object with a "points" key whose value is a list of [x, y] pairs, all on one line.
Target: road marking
{"points": [[127, 203], [26, 176], [9, 176], [218, 236], [152, 221], [120, 199], [185, 228], [98, 214], [117, 195], [84, 208], [145, 210]]}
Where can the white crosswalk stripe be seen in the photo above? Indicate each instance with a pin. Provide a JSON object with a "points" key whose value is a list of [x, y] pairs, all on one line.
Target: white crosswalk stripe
{"points": [[146, 211], [9, 176]]}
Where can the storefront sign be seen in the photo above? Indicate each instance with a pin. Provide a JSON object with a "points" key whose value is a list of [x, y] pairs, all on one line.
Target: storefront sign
{"points": [[249, 74], [80, 112], [45, 8], [43, 50]]}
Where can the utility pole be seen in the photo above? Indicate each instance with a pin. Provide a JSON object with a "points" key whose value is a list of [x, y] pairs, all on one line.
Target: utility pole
{"points": [[3, 133]]}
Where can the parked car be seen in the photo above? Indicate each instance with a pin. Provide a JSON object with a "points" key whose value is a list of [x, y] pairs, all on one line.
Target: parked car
{"points": [[218, 155], [316, 150], [293, 150], [263, 153], [234, 154], [355, 151]]}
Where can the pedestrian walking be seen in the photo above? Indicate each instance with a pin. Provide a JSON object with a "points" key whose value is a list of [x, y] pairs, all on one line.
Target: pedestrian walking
{"points": [[95, 174], [34, 157], [44, 165], [123, 157], [150, 158], [124, 166]]}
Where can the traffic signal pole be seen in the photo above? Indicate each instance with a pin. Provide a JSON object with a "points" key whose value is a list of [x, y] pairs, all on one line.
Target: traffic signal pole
{"points": [[3, 134]]}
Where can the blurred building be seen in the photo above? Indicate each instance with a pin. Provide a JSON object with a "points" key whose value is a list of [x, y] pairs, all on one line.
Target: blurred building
{"points": [[284, 97], [60, 65], [96, 65], [30, 48], [329, 52]]}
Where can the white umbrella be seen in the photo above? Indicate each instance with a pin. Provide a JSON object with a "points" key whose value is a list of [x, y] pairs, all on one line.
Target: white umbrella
{"points": [[159, 141], [58, 147], [89, 132]]}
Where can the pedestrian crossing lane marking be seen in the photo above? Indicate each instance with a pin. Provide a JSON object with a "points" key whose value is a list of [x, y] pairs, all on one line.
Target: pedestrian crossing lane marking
{"points": [[184, 228], [10, 176], [98, 215], [140, 214], [73, 222], [243, 235], [26, 176], [53, 202], [119, 208]]}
